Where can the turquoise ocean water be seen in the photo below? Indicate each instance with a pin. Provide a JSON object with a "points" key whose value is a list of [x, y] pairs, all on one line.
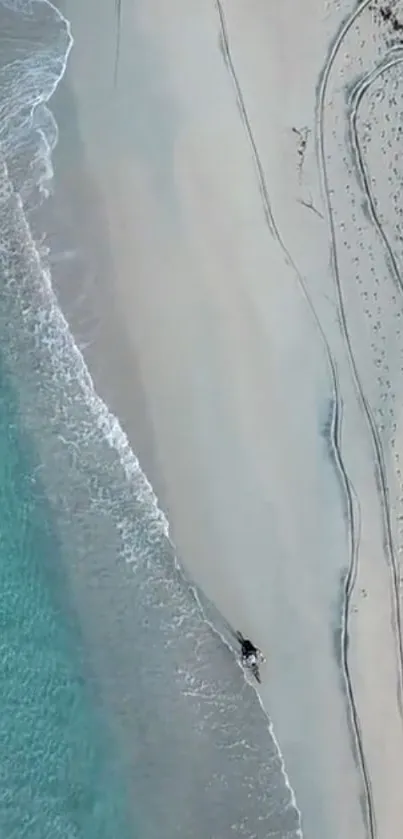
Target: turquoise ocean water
{"points": [[122, 713], [54, 778]]}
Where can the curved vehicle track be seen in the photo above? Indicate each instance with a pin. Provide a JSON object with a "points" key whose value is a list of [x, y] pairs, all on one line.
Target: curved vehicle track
{"points": [[376, 442], [355, 99], [393, 57], [118, 12], [353, 517]]}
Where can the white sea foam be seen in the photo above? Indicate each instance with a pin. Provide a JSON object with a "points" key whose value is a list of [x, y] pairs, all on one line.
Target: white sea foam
{"points": [[46, 127], [225, 641], [74, 368], [104, 419]]}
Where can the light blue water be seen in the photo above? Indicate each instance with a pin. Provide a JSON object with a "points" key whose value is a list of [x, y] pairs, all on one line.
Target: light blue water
{"points": [[121, 712], [54, 775]]}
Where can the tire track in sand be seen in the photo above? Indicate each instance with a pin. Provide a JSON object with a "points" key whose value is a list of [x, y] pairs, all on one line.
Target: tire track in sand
{"points": [[376, 442], [350, 496], [355, 99], [335, 425], [379, 461], [118, 12]]}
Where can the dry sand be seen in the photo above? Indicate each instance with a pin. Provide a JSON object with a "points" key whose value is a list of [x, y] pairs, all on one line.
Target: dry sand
{"points": [[219, 240]]}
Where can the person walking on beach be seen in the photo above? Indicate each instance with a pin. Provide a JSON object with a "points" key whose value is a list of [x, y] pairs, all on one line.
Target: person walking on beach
{"points": [[251, 655]]}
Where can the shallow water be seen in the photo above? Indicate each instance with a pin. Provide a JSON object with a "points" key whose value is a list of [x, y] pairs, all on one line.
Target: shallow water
{"points": [[55, 777], [124, 713]]}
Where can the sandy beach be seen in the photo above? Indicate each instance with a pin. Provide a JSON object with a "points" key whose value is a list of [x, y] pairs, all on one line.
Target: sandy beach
{"points": [[234, 278]]}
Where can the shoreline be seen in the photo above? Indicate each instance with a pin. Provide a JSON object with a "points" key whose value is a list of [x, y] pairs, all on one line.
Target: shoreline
{"points": [[62, 232], [224, 582]]}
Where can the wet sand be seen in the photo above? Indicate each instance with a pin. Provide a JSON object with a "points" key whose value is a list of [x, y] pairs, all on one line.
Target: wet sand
{"points": [[220, 342]]}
